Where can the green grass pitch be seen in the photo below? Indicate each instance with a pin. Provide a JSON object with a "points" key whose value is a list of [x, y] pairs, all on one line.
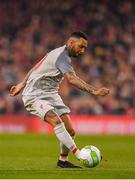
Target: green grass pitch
{"points": [[35, 156]]}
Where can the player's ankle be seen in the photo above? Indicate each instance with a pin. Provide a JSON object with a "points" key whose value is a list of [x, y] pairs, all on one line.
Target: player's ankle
{"points": [[76, 152], [63, 157]]}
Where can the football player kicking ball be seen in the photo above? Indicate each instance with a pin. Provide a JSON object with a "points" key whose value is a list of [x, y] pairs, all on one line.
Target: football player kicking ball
{"points": [[40, 92]]}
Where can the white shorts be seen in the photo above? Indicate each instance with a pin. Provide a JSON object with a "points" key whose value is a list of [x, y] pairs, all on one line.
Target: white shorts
{"points": [[39, 106]]}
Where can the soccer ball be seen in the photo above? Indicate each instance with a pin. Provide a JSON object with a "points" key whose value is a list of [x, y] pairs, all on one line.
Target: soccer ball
{"points": [[90, 156]]}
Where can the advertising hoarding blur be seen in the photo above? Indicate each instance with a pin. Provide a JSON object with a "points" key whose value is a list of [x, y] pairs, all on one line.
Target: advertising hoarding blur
{"points": [[101, 125]]}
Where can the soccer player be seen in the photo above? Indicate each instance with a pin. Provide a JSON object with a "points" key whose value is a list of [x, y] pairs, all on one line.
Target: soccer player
{"points": [[40, 92]]}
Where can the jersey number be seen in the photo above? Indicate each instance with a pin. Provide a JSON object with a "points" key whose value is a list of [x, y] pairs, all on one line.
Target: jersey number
{"points": [[39, 63]]}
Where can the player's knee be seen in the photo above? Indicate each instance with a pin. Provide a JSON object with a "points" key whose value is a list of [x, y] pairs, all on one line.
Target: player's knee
{"points": [[56, 121], [52, 118]]}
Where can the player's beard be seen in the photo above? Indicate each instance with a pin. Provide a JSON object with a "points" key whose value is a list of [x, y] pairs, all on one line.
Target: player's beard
{"points": [[72, 53]]}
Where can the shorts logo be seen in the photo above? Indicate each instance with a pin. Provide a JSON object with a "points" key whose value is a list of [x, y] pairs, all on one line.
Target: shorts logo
{"points": [[41, 106]]}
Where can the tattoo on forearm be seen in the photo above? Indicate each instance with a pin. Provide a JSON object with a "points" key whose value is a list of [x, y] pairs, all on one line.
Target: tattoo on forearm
{"points": [[83, 85]]}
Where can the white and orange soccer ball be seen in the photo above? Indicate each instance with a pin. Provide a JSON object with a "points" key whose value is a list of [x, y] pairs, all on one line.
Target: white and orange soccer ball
{"points": [[90, 156]]}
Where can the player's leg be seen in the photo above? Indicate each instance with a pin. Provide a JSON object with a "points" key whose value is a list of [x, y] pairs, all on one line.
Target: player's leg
{"points": [[63, 111], [63, 149], [61, 133]]}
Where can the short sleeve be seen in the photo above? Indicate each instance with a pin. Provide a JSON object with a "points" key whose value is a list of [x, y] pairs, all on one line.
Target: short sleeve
{"points": [[63, 63]]}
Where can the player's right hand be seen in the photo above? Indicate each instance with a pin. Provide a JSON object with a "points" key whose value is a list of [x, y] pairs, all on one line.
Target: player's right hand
{"points": [[101, 92], [15, 90]]}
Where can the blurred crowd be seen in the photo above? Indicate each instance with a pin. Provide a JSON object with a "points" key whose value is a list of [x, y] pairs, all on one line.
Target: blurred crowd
{"points": [[30, 29]]}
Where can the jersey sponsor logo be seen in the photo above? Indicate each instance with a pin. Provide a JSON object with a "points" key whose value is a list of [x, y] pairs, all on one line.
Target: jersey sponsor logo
{"points": [[48, 83]]}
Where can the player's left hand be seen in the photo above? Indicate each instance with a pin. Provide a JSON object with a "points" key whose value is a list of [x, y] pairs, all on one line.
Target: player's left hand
{"points": [[15, 90], [101, 92]]}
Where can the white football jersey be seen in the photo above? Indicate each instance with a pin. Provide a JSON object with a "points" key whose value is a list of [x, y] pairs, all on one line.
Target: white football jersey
{"points": [[48, 73]]}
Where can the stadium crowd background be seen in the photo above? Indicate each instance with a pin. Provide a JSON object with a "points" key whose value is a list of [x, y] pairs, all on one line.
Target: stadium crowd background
{"points": [[29, 29]]}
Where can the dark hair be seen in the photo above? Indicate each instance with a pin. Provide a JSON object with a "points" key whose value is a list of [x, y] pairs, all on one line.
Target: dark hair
{"points": [[79, 34]]}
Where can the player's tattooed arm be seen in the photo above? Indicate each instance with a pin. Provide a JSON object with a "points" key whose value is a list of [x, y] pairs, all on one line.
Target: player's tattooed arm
{"points": [[15, 90], [79, 83]]}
